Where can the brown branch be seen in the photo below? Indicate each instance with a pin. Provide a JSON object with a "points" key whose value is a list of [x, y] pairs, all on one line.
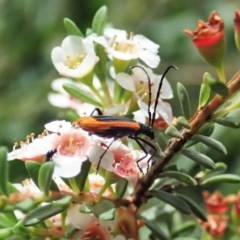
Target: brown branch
{"points": [[201, 117]]}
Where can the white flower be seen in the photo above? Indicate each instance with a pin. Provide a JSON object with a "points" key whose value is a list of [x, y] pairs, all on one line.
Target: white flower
{"points": [[72, 146], [75, 58], [90, 226], [122, 46], [138, 82]]}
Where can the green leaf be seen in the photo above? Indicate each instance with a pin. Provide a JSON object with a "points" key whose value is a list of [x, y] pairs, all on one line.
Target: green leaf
{"points": [[69, 230], [211, 143], [81, 178], [216, 86], [121, 188], [63, 202], [222, 178], [184, 100], [4, 171], [80, 94], [183, 122], [199, 158], [204, 95], [205, 130], [26, 205], [220, 168], [72, 28], [155, 229], [5, 232], [184, 229], [104, 210], [42, 213], [228, 121], [85, 208], [180, 176], [100, 67], [33, 170], [173, 132], [99, 20], [171, 167], [45, 177], [195, 207], [5, 222], [169, 198]]}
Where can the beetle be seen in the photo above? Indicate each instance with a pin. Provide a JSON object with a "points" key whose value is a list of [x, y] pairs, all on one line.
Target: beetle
{"points": [[118, 127]]}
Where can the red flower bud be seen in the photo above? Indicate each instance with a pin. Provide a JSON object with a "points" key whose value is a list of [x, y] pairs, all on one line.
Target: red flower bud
{"points": [[237, 29], [215, 202], [209, 39], [216, 225]]}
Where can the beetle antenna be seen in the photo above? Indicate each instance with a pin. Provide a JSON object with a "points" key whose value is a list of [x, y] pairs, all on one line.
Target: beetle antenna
{"points": [[149, 93], [158, 92]]}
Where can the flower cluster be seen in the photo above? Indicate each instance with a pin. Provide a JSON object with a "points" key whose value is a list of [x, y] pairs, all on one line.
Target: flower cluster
{"points": [[81, 169]]}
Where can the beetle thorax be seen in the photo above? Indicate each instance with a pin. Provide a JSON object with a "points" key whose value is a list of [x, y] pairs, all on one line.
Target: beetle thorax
{"points": [[148, 131]]}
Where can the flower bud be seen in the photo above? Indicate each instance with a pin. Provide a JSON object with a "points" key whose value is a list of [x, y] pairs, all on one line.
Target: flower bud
{"points": [[237, 29], [209, 39], [215, 202], [216, 225]]}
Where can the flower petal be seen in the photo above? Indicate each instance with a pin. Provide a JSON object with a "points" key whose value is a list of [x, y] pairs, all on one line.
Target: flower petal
{"points": [[94, 153], [150, 58], [165, 110], [59, 100], [125, 81], [66, 166]]}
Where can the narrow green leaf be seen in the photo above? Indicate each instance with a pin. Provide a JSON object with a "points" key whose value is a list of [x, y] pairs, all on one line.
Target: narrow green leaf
{"points": [[180, 176], [104, 210], [199, 158], [195, 207], [42, 213], [204, 95], [205, 130], [69, 230], [63, 202], [80, 94], [81, 178], [4, 171], [5, 222], [99, 20], [228, 121], [211, 143], [5, 232], [216, 86], [169, 198], [171, 167], [222, 178], [72, 28], [121, 188], [86, 208], [89, 31], [100, 67], [26, 205], [184, 228], [173, 132], [220, 168], [33, 170], [183, 122], [11, 217], [155, 229], [184, 100], [45, 177]]}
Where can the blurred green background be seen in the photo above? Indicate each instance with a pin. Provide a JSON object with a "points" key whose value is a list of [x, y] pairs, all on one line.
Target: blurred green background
{"points": [[30, 29]]}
